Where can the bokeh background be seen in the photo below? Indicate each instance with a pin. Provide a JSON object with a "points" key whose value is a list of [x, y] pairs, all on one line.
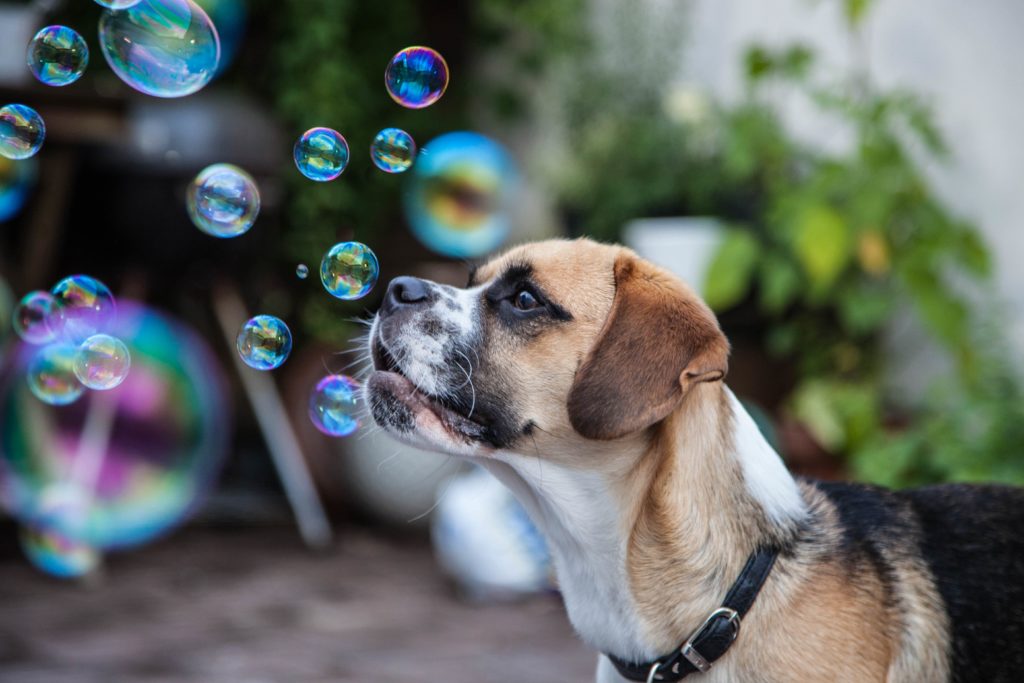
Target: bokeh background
{"points": [[839, 178]]}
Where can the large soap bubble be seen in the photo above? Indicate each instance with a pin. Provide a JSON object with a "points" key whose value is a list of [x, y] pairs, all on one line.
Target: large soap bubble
{"points": [[37, 318], [416, 77], [51, 375], [462, 189], [22, 131], [264, 342], [164, 48], [334, 405], [85, 306], [120, 467], [223, 201], [349, 270]]}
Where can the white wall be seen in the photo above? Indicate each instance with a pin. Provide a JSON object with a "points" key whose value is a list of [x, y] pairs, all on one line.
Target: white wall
{"points": [[968, 57]]}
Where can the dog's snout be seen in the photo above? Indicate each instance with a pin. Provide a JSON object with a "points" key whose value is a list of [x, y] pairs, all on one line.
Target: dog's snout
{"points": [[405, 291]]}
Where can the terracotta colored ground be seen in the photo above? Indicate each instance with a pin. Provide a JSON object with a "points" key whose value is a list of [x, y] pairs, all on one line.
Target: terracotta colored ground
{"points": [[254, 606]]}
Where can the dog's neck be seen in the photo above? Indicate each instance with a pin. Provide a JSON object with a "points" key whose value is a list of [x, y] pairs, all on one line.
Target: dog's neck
{"points": [[648, 545]]}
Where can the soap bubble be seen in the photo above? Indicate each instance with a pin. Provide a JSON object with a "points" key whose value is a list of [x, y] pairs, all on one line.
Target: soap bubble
{"points": [[118, 468], [416, 77], [22, 131], [460, 195], [349, 270], [165, 48], [264, 342], [51, 375], [37, 318], [302, 270], [393, 150], [223, 201], [58, 55], [117, 4], [334, 405], [102, 362], [321, 154], [85, 307], [57, 555]]}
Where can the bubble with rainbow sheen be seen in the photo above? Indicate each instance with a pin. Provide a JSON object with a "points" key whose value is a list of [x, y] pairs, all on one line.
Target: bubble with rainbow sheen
{"points": [[37, 318], [102, 362], [349, 270], [393, 150], [264, 342], [321, 154], [223, 201], [117, 4], [151, 451], [460, 195], [22, 131], [164, 48], [334, 405], [302, 271], [416, 77], [57, 555], [51, 375], [57, 55], [85, 307]]}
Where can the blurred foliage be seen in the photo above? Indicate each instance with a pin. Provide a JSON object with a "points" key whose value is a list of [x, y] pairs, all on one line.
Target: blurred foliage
{"points": [[829, 247]]}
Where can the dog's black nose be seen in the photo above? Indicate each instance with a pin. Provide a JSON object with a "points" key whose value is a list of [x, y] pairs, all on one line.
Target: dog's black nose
{"points": [[404, 291]]}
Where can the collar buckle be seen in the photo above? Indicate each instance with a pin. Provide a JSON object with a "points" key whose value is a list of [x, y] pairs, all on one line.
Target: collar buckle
{"points": [[689, 649]]}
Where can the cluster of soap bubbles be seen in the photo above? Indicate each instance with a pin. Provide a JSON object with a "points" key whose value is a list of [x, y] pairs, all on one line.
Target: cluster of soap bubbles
{"points": [[69, 323], [115, 469]]}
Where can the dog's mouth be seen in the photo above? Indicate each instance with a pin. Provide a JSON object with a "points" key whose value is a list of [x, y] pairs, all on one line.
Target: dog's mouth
{"points": [[390, 383]]}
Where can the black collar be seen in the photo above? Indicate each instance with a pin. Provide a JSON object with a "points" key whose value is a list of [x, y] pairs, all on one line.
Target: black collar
{"points": [[711, 640]]}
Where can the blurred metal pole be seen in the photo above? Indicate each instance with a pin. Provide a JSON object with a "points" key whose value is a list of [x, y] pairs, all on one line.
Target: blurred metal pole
{"points": [[276, 427]]}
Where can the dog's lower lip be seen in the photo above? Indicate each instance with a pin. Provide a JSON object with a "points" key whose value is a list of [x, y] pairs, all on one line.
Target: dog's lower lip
{"points": [[454, 421]]}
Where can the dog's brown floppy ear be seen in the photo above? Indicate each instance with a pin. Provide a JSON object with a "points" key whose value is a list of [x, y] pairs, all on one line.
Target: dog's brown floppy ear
{"points": [[658, 341]]}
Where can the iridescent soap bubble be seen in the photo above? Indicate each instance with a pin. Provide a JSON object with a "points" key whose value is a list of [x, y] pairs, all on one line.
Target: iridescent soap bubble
{"points": [[460, 195], [102, 362], [117, 4], [264, 342], [58, 55], [37, 318], [165, 48], [223, 201], [334, 405], [349, 270], [56, 554], [302, 271], [393, 150], [416, 77], [22, 131], [85, 307], [321, 154], [51, 375]]}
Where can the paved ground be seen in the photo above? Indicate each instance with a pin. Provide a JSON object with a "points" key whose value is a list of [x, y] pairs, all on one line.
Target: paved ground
{"points": [[254, 607]]}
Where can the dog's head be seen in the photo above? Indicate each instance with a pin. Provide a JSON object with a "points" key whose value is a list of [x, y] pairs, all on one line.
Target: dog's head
{"points": [[550, 344]]}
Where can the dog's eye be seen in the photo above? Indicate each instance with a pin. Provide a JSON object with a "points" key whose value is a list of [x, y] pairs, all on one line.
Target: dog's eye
{"points": [[524, 300]]}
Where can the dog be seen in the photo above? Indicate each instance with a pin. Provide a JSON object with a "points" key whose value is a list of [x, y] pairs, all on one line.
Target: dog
{"points": [[590, 382]]}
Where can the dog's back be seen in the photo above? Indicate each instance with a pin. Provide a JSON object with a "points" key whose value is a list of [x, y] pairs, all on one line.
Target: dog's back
{"points": [[972, 539]]}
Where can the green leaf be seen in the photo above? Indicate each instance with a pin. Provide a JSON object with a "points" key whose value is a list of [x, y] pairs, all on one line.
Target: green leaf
{"points": [[729, 275], [865, 308], [856, 10], [780, 283], [821, 243]]}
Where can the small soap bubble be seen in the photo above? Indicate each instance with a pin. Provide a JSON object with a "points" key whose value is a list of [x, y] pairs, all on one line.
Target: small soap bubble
{"points": [[302, 270], [102, 362], [51, 375], [37, 318], [56, 554], [264, 342], [223, 201], [416, 77], [393, 150], [117, 4], [85, 307], [22, 131], [349, 270], [321, 154], [164, 48], [334, 405], [58, 55]]}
